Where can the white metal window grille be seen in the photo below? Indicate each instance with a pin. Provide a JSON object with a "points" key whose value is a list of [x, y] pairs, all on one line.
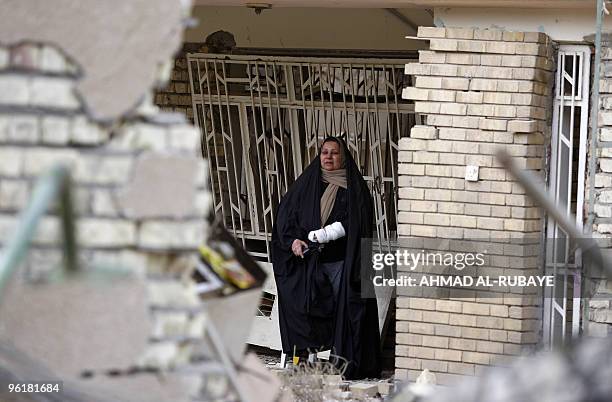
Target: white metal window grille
{"points": [[568, 158], [262, 118]]}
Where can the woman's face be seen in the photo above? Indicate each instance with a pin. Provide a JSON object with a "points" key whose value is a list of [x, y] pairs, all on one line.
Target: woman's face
{"points": [[331, 156]]}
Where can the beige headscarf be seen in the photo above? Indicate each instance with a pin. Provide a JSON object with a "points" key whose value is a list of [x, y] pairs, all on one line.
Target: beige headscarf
{"points": [[336, 179]]}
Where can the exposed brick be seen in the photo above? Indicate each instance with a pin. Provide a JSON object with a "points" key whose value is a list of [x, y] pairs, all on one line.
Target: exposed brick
{"points": [[435, 317], [23, 128], [408, 363], [417, 69], [498, 335], [501, 48], [460, 33], [481, 110], [449, 45], [488, 34], [462, 344], [442, 95], [14, 89], [474, 357], [491, 60], [421, 352], [452, 306], [472, 46], [453, 108], [431, 32], [423, 328], [13, 194], [461, 368], [493, 124], [474, 308], [513, 36], [459, 84], [428, 82], [55, 130], [447, 330], [426, 56], [448, 354], [462, 58], [435, 341], [512, 61], [427, 107], [537, 37], [409, 339], [479, 84], [53, 92], [435, 366], [469, 97], [490, 322]]}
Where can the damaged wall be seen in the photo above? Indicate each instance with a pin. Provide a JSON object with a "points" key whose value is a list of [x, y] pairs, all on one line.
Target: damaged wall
{"points": [[140, 183], [478, 90], [119, 47], [600, 309]]}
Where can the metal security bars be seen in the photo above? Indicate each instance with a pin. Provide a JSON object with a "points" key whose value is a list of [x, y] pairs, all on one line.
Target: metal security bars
{"points": [[567, 180], [262, 118]]}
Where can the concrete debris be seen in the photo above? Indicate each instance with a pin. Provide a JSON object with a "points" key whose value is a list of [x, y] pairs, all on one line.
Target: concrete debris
{"points": [[255, 379], [582, 374], [361, 390], [119, 45], [166, 179], [385, 387], [71, 325], [426, 377]]}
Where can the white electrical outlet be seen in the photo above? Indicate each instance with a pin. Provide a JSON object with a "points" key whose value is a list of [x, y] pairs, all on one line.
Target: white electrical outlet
{"points": [[471, 173]]}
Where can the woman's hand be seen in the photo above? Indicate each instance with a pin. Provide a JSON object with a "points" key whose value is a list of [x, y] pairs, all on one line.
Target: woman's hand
{"points": [[298, 247]]}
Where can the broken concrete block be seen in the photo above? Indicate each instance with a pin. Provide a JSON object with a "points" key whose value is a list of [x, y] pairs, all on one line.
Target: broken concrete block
{"points": [[385, 388], [256, 379], [332, 379], [76, 325], [166, 179], [113, 79], [426, 377], [331, 389], [362, 389]]}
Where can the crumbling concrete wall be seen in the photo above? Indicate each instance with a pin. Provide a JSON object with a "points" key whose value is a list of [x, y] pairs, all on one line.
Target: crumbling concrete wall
{"points": [[478, 90], [140, 182], [121, 47]]}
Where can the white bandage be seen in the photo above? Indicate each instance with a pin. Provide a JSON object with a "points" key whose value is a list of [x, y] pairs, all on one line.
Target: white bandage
{"points": [[328, 233]]}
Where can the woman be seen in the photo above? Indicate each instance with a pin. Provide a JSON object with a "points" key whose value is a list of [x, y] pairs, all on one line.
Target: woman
{"points": [[316, 254]]}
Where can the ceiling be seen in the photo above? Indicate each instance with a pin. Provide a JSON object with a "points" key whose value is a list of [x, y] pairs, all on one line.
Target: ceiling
{"points": [[404, 3]]}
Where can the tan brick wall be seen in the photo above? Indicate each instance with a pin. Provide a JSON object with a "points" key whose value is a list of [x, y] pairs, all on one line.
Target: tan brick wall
{"points": [[600, 308], [478, 90]]}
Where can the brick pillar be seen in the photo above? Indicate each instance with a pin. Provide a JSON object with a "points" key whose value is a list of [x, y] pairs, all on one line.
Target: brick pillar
{"points": [[478, 90], [600, 310]]}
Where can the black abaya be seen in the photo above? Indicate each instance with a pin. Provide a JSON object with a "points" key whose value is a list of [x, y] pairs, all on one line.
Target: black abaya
{"points": [[310, 318]]}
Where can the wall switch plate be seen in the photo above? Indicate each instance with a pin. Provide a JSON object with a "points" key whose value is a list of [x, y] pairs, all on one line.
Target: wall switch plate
{"points": [[471, 173]]}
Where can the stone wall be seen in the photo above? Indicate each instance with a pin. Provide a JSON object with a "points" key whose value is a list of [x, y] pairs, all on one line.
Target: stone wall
{"points": [[140, 189], [478, 90]]}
